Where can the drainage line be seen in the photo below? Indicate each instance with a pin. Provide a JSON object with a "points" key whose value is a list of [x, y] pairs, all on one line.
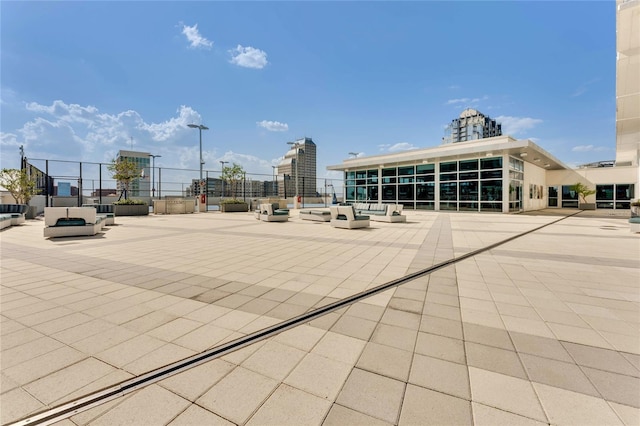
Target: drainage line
{"points": [[79, 405]]}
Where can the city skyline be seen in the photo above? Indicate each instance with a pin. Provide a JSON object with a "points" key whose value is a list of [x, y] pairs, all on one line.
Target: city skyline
{"points": [[81, 81]]}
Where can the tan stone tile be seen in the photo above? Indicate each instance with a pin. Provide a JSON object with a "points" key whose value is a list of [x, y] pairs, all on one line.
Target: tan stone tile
{"points": [[160, 357], [150, 405], [340, 348], [238, 394], [571, 408], [615, 387], [403, 319], [291, 406], [440, 375], [16, 404], [622, 342], [490, 336], [366, 311], [527, 326], [354, 327], [442, 311], [43, 365], [425, 407], [386, 361], [567, 333], [108, 338], [494, 359], [33, 349], [441, 326], [559, 374], [602, 359], [174, 329], [126, 352], [319, 375], [397, 337], [629, 415], [540, 346], [489, 416], [506, 393], [373, 395], [274, 360], [303, 337], [197, 416], [340, 416], [192, 383], [203, 338], [440, 347]]}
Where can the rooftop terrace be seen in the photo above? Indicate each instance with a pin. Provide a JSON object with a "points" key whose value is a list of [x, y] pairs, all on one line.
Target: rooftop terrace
{"points": [[542, 329]]}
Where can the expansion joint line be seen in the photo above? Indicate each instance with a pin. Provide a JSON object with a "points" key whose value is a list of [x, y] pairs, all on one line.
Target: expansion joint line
{"points": [[84, 403]]}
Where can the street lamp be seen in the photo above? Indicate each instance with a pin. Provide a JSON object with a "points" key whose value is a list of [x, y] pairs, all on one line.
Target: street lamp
{"points": [[200, 127], [222, 163], [273, 183], [153, 173]]}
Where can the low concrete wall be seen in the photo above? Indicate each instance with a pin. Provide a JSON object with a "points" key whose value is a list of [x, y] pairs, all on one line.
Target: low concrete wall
{"points": [[174, 206]]}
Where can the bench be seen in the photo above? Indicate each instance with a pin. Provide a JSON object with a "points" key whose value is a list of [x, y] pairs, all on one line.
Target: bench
{"points": [[634, 224], [346, 217], [5, 220], [271, 213], [381, 212], [71, 221], [105, 211], [16, 212], [317, 215]]}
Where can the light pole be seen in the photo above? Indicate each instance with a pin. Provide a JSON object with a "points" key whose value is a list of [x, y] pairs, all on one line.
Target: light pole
{"points": [[296, 147], [222, 163], [153, 174], [200, 127], [273, 184]]}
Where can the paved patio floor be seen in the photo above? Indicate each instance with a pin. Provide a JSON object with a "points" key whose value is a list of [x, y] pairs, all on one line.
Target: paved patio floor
{"points": [[544, 329]]}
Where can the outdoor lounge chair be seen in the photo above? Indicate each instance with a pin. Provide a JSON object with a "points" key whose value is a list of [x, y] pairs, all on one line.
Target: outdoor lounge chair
{"points": [[317, 215], [71, 221], [345, 217], [271, 213]]}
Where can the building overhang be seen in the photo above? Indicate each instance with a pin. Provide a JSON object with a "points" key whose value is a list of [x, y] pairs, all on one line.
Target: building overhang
{"points": [[523, 149]]}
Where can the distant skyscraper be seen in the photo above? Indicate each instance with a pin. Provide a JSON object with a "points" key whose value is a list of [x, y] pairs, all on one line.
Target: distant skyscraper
{"points": [[306, 158], [140, 186], [471, 125]]}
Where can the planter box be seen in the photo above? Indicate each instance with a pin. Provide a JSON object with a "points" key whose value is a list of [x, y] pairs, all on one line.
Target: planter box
{"points": [[587, 206], [235, 207], [131, 209]]}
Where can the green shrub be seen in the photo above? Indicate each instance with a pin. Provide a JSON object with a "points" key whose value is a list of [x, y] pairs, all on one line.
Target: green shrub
{"points": [[130, 202], [232, 201]]}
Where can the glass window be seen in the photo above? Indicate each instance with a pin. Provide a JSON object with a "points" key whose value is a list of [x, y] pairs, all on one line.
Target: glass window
{"points": [[425, 206], [450, 166], [553, 191], [449, 191], [350, 192], [469, 176], [448, 205], [425, 178], [624, 192], [372, 177], [568, 193], [361, 174], [404, 171], [448, 176], [372, 192], [491, 163], [468, 165], [350, 175], [468, 206], [491, 174], [389, 192], [405, 192], [490, 207], [389, 172], [468, 191], [425, 168], [491, 190], [361, 193], [405, 179], [604, 192], [426, 191]]}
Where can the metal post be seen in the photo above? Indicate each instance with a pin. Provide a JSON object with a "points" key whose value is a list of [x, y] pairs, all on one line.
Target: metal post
{"points": [[273, 184], [100, 182], [159, 182], [200, 127], [47, 184], [80, 187], [222, 163]]}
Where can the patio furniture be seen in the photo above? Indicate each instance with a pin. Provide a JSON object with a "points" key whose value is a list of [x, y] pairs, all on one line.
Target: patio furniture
{"points": [[346, 217], [105, 211], [317, 215], [271, 213], [381, 212], [71, 221]]}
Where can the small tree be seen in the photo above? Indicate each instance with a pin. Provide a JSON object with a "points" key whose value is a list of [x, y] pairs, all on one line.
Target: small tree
{"points": [[232, 175], [124, 171], [583, 191], [19, 184]]}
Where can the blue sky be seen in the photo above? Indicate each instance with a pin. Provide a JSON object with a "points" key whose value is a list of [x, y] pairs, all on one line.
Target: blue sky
{"points": [[81, 80]]}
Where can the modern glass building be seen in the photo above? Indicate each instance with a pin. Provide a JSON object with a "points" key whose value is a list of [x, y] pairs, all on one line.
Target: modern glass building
{"points": [[139, 187], [499, 174]]}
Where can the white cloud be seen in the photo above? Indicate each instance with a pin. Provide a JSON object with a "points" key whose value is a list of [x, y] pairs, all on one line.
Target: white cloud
{"points": [[588, 148], [515, 125], [466, 101], [248, 57], [582, 89], [273, 126], [194, 37], [401, 146]]}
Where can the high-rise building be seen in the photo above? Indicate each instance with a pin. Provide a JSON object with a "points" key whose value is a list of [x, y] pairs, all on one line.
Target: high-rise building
{"points": [[140, 186], [627, 82], [299, 162], [471, 125]]}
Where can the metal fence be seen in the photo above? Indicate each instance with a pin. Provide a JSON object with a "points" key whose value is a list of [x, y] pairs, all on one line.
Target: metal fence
{"points": [[90, 180]]}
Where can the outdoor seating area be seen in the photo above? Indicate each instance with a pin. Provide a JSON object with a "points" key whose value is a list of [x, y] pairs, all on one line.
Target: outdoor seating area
{"points": [[105, 211], [316, 215], [71, 222], [270, 212], [346, 217], [12, 214], [634, 224], [381, 212]]}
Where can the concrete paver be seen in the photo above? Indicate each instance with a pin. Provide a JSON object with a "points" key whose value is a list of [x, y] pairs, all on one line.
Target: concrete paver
{"points": [[545, 328]]}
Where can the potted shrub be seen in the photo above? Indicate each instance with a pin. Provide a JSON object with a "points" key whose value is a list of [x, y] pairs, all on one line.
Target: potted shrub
{"points": [[130, 207], [583, 192], [233, 205]]}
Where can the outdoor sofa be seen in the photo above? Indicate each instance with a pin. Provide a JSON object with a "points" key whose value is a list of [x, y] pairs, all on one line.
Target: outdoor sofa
{"points": [[71, 221], [14, 213], [381, 212], [105, 211], [270, 212], [346, 217], [316, 214]]}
